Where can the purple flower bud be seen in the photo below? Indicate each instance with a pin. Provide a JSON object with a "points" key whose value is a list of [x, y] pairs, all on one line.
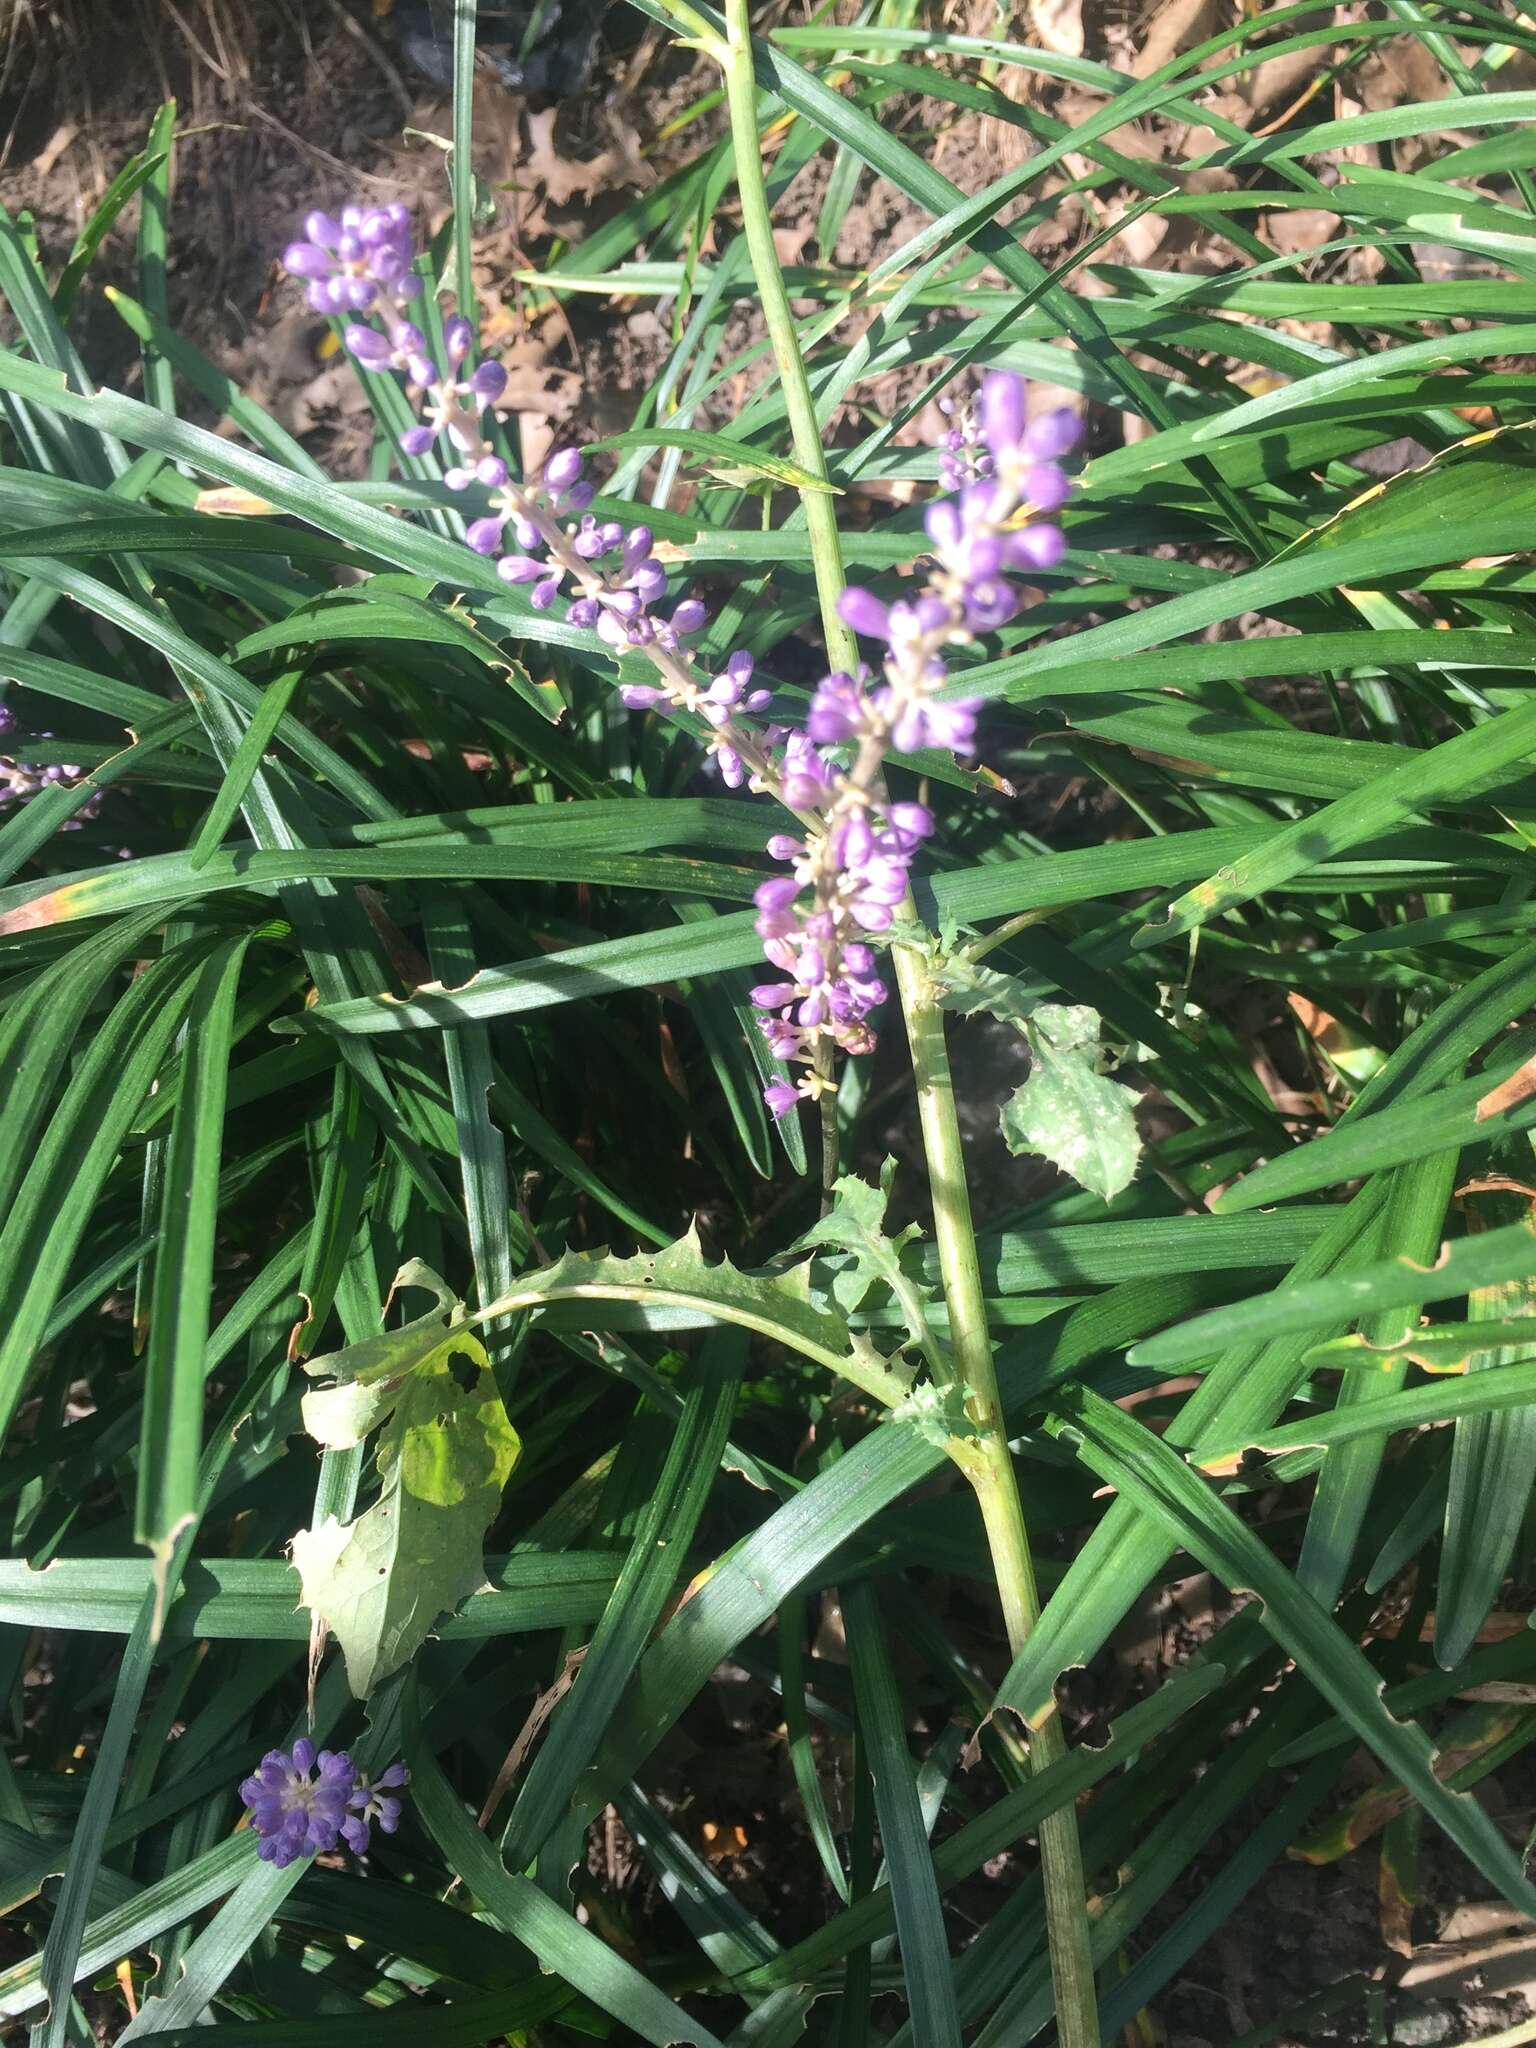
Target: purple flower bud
{"points": [[1046, 487], [542, 595], [303, 259], [639, 696], [943, 523], [782, 846], [690, 617], [637, 546], [409, 286], [458, 478], [1037, 547], [781, 1098], [862, 610], [520, 569], [458, 337], [563, 469], [1002, 410], [772, 995], [417, 440], [584, 612], [912, 822], [322, 230], [491, 470], [777, 893], [484, 536], [1053, 435], [990, 604], [369, 346], [580, 496], [489, 381]]}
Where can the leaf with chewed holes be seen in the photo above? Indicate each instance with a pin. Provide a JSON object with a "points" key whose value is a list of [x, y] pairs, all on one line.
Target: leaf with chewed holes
{"points": [[446, 1448], [1079, 1118]]}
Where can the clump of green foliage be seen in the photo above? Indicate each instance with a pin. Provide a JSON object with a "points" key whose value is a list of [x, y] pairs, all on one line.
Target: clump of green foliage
{"points": [[371, 941]]}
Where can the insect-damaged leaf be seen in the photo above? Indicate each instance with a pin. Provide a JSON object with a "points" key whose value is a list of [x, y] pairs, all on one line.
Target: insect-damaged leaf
{"points": [[381, 1581], [1081, 1120], [856, 1224]]}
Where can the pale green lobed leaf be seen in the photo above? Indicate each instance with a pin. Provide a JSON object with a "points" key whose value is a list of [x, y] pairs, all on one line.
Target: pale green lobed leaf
{"points": [[380, 1582], [1067, 1110]]}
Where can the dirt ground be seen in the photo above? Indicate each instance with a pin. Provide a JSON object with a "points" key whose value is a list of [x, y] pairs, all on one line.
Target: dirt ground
{"points": [[289, 104]]}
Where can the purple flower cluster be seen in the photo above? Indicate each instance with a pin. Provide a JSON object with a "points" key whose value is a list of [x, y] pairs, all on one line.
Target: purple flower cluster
{"points": [[848, 869], [352, 262], [854, 861], [363, 262], [305, 1803], [20, 781]]}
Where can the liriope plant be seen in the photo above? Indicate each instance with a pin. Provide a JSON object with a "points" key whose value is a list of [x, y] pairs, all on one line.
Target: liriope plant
{"points": [[391, 871]]}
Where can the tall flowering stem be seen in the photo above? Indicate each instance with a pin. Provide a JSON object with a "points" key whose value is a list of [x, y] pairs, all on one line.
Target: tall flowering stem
{"points": [[846, 870], [910, 641]]}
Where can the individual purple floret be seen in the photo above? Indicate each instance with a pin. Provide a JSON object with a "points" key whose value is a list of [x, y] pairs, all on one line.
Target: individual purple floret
{"points": [[305, 1802], [373, 1805]]}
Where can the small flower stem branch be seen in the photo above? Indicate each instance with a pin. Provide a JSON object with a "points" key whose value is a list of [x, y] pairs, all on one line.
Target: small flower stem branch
{"points": [[805, 428], [970, 1346], [831, 1136]]}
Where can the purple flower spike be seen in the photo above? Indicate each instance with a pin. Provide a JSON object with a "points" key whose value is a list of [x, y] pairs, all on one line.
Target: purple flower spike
{"points": [[303, 1803]]}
